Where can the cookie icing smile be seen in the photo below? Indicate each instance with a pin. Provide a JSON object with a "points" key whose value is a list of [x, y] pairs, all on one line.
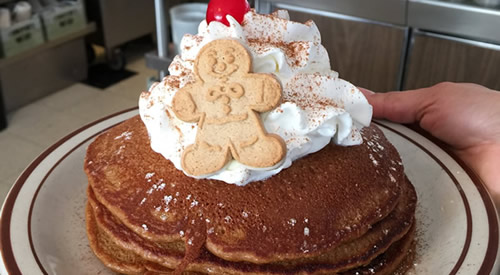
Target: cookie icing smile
{"points": [[316, 106]]}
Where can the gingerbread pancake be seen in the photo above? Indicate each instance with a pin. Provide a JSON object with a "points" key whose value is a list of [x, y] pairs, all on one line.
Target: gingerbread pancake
{"points": [[356, 253], [396, 260], [116, 258], [324, 201]]}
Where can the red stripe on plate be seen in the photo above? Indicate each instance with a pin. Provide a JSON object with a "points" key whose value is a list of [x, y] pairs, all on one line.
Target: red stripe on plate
{"points": [[493, 240], [493, 237]]}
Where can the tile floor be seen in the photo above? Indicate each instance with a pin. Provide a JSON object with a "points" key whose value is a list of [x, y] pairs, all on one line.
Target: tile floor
{"points": [[36, 126]]}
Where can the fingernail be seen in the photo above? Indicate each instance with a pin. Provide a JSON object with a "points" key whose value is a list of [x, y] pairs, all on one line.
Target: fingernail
{"points": [[365, 91]]}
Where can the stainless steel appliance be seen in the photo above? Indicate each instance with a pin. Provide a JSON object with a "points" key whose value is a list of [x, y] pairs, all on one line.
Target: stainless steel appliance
{"points": [[431, 40]]}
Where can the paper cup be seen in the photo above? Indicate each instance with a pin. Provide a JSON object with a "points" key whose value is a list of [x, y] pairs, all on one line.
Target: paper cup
{"points": [[186, 18], [22, 11]]}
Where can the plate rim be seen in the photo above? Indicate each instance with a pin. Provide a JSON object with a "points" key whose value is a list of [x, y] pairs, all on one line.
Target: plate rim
{"points": [[11, 266], [490, 259], [7, 255]]}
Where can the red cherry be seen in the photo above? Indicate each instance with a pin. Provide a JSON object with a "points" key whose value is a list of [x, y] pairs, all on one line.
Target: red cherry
{"points": [[218, 9]]}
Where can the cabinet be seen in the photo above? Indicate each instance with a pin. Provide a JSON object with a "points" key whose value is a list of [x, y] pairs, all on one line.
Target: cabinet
{"points": [[367, 54], [120, 21], [436, 58], [41, 70]]}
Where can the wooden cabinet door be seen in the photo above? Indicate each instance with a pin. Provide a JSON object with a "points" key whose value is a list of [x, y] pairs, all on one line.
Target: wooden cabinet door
{"points": [[433, 59], [366, 54]]}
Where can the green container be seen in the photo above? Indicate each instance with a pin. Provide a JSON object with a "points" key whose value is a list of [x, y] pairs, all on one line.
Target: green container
{"points": [[64, 19], [21, 36]]}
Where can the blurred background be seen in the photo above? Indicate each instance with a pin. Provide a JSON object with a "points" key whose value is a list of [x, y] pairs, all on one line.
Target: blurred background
{"points": [[66, 63]]}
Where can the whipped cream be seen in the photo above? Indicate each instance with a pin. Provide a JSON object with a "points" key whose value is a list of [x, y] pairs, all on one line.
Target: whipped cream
{"points": [[317, 106]]}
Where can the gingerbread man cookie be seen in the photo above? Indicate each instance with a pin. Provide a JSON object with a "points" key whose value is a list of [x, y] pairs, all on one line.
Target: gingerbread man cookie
{"points": [[225, 101]]}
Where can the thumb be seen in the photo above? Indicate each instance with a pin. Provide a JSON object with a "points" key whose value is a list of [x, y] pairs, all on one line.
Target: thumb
{"points": [[401, 107]]}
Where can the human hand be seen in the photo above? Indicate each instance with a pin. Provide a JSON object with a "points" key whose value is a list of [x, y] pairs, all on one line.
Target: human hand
{"points": [[465, 116]]}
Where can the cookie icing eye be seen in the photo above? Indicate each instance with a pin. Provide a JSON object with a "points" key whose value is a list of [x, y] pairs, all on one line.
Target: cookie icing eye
{"points": [[211, 58], [228, 56], [229, 59]]}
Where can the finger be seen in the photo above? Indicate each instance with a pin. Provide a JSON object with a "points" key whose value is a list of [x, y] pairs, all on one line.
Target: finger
{"points": [[366, 92], [401, 107]]}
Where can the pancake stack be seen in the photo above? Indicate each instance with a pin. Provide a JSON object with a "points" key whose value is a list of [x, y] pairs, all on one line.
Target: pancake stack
{"points": [[342, 210]]}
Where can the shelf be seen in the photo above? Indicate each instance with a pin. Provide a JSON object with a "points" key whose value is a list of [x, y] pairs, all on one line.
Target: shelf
{"points": [[90, 28], [153, 61]]}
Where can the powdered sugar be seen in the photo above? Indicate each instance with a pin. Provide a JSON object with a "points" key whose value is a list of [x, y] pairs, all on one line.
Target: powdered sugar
{"points": [[125, 135]]}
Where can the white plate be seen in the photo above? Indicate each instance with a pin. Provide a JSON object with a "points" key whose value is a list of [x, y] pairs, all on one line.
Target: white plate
{"points": [[42, 228]]}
